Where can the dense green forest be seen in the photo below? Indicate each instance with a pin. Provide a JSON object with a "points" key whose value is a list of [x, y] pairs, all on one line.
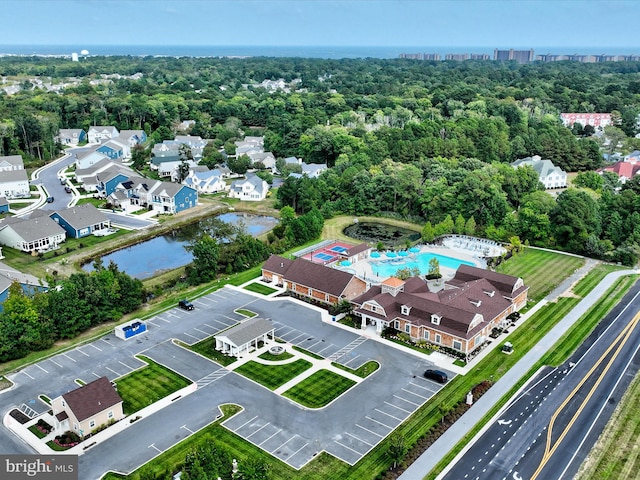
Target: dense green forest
{"points": [[426, 141]]}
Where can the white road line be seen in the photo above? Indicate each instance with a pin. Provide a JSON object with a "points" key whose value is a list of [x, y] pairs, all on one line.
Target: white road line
{"points": [[103, 340], [92, 345], [269, 438], [395, 406], [130, 368], [28, 375], [85, 354], [41, 368], [248, 421], [413, 393], [165, 320], [311, 346], [328, 346], [359, 439], [348, 448], [187, 429], [54, 362], [276, 449], [370, 431], [389, 415], [297, 451], [379, 422], [185, 333], [202, 331], [352, 359], [209, 326], [117, 374], [96, 374], [421, 386], [153, 445], [259, 429], [295, 338], [69, 357]]}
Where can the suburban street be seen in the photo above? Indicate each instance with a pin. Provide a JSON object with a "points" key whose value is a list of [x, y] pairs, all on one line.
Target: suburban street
{"points": [[549, 429]]}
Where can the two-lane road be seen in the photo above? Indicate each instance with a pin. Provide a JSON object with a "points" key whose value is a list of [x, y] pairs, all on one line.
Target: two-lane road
{"points": [[548, 430]]}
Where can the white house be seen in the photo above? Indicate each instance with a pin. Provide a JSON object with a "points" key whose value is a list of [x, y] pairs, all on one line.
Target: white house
{"points": [[206, 182], [89, 158], [31, 234], [11, 162], [14, 184], [252, 189], [550, 175], [99, 133]]}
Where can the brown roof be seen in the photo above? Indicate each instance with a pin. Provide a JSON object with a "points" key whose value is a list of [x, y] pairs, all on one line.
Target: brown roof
{"points": [[313, 275], [363, 247], [393, 282], [92, 398], [277, 264], [505, 283]]}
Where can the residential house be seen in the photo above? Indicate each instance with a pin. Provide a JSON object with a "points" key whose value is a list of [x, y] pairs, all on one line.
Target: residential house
{"points": [[108, 180], [460, 317], [87, 408], [312, 280], [88, 176], [133, 137], [4, 205], [596, 120], [172, 169], [550, 175], [14, 184], [81, 220], [29, 283], [210, 181], [167, 197], [31, 234], [251, 189], [245, 337], [100, 133], [132, 194], [313, 170], [624, 169], [71, 136], [265, 158], [88, 158], [11, 162], [115, 149]]}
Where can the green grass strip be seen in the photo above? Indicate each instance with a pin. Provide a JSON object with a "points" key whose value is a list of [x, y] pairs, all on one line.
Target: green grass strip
{"points": [[270, 357], [363, 371], [272, 376], [259, 288], [319, 389], [147, 385], [307, 352], [207, 348]]}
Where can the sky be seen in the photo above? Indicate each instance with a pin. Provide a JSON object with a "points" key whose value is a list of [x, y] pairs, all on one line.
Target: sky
{"points": [[497, 23]]}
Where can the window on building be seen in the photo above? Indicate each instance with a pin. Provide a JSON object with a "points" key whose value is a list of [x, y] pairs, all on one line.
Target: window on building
{"points": [[110, 414], [435, 319], [92, 424], [396, 325], [405, 310], [457, 345], [407, 328], [426, 334], [438, 338]]}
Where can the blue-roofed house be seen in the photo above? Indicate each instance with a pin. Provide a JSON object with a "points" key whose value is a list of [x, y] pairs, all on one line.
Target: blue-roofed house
{"points": [[252, 189], [168, 197], [81, 220], [210, 181]]}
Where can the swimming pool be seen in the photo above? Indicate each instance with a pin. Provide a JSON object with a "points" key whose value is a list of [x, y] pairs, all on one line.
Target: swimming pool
{"points": [[388, 268]]}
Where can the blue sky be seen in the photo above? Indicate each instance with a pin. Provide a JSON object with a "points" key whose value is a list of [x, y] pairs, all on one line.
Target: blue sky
{"points": [[497, 23]]}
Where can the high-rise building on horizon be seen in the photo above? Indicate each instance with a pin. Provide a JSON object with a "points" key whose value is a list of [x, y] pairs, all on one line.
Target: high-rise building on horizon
{"points": [[520, 56]]}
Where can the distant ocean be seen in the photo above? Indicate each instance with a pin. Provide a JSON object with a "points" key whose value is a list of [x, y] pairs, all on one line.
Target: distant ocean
{"points": [[330, 52]]}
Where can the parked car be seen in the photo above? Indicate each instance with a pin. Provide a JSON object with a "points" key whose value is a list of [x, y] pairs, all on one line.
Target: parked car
{"points": [[67, 189], [63, 181], [186, 305], [50, 199], [436, 375]]}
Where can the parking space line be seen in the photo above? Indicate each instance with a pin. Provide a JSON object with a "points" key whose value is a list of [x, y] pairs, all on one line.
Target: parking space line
{"points": [[121, 363], [187, 429], [153, 445], [276, 449], [209, 326], [96, 374], [41, 368], [165, 320], [359, 439], [297, 451], [113, 371], [185, 333], [28, 375], [378, 422], [267, 439], [328, 346], [395, 406], [69, 357], [413, 393], [56, 363], [370, 431], [348, 448], [92, 345], [389, 415], [295, 338], [420, 386], [310, 347], [248, 421], [230, 318], [405, 400], [347, 363], [268, 423], [85, 354], [202, 331]]}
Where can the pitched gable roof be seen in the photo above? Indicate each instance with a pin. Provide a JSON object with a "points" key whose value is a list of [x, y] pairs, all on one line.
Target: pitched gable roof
{"points": [[82, 216], [92, 398], [316, 276], [247, 331], [30, 230], [507, 284]]}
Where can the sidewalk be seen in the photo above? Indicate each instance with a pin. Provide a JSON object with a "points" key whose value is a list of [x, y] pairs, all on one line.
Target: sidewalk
{"points": [[430, 458]]}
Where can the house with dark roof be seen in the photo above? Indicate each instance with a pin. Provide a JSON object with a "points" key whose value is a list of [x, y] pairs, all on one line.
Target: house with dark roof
{"points": [[87, 408], [31, 234], [459, 317], [312, 280], [245, 337], [81, 220]]}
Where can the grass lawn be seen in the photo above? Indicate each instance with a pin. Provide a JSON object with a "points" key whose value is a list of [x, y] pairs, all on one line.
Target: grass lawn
{"points": [[207, 348], [147, 385], [616, 454], [272, 376], [307, 352], [333, 227], [246, 313], [540, 270], [33, 429], [364, 371], [319, 389], [600, 271], [259, 288], [270, 357]]}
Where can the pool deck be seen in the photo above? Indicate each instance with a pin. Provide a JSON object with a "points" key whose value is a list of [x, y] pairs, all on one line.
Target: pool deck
{"points": [[364, 270]]}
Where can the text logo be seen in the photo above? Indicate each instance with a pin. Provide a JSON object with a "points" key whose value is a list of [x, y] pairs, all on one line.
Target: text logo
{"points": [[48, 467]]}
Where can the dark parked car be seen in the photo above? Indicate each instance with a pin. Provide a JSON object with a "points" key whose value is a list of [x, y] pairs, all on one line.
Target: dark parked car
{"points": [[186, 305], [49, 199], [67, 189], [436, 375]]}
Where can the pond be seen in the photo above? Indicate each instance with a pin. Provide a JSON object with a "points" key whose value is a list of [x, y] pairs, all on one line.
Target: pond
{"points": [[374, 232], [166, 252]]}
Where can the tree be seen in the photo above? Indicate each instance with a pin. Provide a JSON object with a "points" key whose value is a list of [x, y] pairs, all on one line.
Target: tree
{"points": [[591, 180], [139, 156], [253, 469], [575, 217], [239, 165], [434, 269], [428, 233], [204, 268], [458, 225], [470, 227], [397, 448]]}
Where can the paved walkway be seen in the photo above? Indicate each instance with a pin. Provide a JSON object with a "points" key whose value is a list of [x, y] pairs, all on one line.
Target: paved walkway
{"points": [[430, 458]]}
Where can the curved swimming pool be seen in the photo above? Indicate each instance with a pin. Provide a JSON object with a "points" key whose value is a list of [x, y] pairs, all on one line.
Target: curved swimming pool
{"points": [[388, 268]]}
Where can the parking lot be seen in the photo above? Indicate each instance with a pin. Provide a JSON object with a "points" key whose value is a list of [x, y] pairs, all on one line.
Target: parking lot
{"points": [[348, 428]]}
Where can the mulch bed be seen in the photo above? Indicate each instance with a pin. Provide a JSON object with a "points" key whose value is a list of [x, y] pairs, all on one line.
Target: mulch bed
{"points": [[19, 416]]}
